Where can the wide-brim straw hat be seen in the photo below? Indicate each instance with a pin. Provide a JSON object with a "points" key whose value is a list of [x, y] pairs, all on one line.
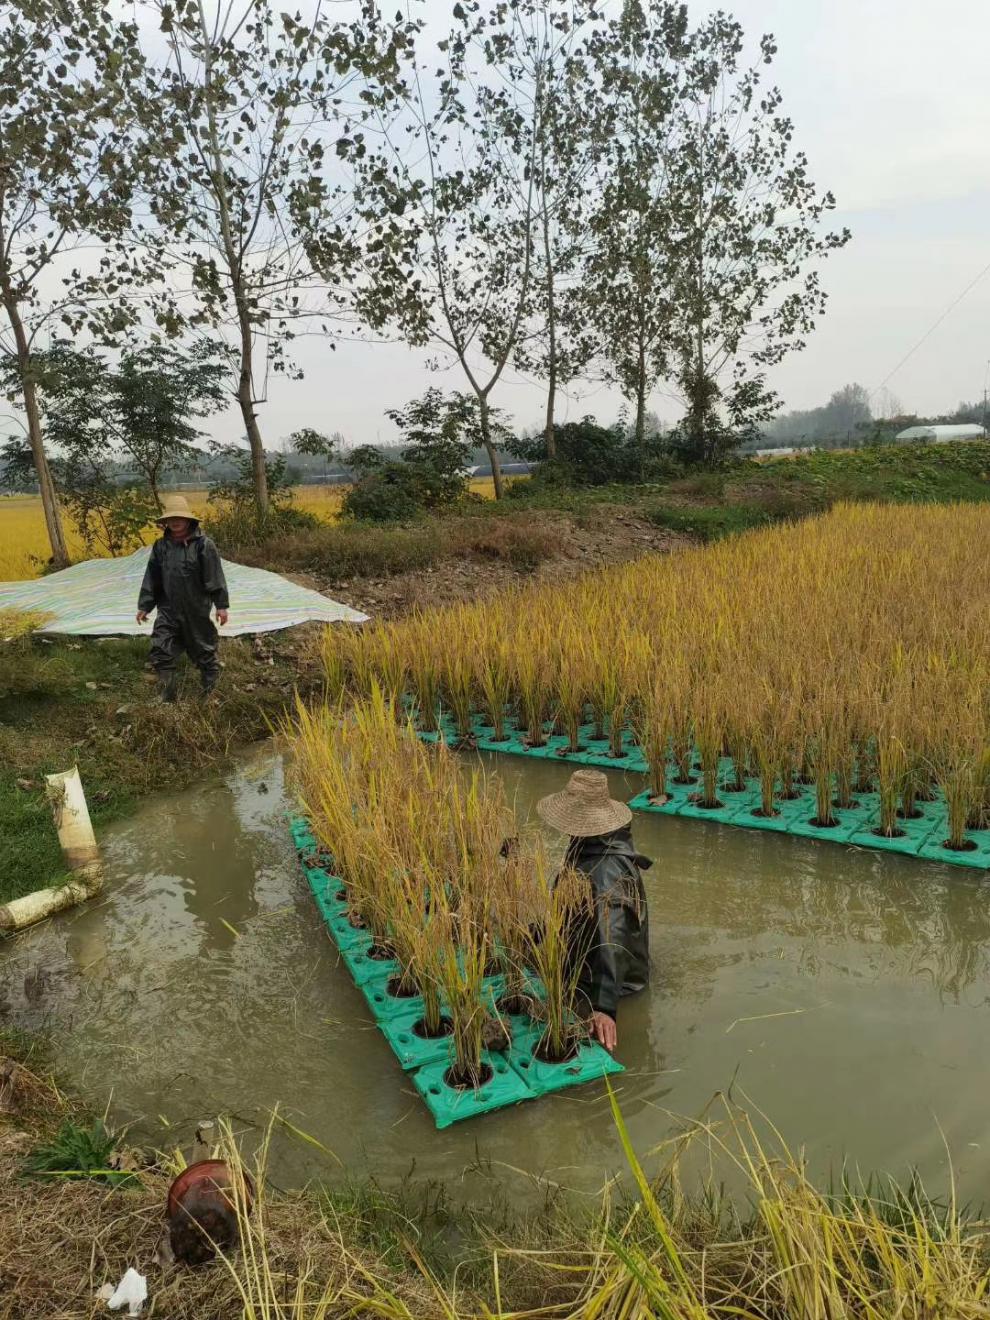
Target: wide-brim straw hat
{"points": [[584, 808], [175, 506]]}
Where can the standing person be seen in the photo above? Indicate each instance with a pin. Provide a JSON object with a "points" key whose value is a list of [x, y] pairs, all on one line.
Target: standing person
{"points": [[614, 941], [184, 580]]}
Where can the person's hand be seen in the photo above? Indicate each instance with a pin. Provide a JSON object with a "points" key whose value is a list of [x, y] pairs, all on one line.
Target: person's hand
{"points": [[603, 1030], [222, 616], [141, 616]]}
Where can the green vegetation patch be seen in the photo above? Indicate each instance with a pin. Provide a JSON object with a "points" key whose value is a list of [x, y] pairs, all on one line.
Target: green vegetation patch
{"points": [[92, 703]]}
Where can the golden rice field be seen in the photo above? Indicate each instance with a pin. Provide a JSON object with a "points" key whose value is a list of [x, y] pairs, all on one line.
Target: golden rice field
{"points": [[24, 543], [850, 652]]}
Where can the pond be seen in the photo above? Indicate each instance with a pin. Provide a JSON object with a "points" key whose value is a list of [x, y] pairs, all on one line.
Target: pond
{"points": [[846, 994]]}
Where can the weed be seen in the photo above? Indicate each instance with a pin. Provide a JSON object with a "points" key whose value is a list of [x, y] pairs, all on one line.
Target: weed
{"points": [[76, 1151]]}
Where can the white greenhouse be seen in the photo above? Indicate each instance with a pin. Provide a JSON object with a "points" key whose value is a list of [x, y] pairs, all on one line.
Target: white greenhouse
{"points": [[942, 435]]}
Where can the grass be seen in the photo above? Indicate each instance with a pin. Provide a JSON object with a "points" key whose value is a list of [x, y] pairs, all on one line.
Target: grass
{"points": [[78, 1150], [357, 550], [708, 522], [89, 702]]}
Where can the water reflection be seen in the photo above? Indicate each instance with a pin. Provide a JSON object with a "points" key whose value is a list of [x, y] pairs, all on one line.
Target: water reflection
{"points": [[844, 991]]}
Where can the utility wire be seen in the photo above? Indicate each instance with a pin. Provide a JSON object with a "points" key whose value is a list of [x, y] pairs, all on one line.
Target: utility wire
{"points": [[932, 328]]}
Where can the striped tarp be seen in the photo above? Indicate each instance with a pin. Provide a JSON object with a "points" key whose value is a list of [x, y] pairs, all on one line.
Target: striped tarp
{"points": [[99, 598]]}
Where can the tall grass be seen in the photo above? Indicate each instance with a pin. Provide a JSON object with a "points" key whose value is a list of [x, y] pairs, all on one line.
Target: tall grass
{"points": [[780, 1248]]}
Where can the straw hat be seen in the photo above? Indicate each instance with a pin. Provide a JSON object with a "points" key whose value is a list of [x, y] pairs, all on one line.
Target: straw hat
{"points": [[175, 506], [584, 807]]}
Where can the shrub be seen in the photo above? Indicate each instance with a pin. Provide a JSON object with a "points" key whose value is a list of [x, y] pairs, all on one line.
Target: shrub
{"points": [[592, 455], [390, 493], [237, 525]]}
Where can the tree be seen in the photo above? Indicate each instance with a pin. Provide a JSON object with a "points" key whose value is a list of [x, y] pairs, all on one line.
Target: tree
{"points": [[103, 422], [746, 240], [630, 271], [437, 438], [141, 412], [66, 181], [547, 65], [449, 201], [438, 435], [309, 441], [847, 413], [247, 102]]}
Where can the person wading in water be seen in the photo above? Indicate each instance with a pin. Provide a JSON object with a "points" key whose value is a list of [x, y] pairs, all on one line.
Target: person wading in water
{"points": [[184, 580], [616, 932]]}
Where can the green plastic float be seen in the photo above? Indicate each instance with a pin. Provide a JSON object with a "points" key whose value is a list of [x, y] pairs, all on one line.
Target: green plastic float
{"points": [[516, 1075]]}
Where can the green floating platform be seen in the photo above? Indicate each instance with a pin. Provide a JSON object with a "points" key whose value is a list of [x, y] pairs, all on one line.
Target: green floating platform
{"points": [[856, 826], [516, 1074]]}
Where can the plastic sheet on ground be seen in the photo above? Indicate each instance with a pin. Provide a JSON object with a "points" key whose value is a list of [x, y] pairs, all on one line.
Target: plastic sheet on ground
{"points": [[98, 598]]}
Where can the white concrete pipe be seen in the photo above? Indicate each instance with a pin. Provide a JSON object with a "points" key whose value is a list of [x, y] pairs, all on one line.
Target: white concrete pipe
{"points": [[75, 834]]}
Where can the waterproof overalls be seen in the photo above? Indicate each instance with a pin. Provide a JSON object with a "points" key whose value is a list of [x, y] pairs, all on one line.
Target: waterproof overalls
{"points": [[183, 581], [613, 941]]}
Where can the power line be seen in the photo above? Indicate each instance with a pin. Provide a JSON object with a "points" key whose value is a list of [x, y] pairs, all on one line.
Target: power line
{"points": [[933, 327]]}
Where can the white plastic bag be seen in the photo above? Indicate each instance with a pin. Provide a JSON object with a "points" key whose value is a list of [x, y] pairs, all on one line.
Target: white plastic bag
{"points": [[132, 1292]]}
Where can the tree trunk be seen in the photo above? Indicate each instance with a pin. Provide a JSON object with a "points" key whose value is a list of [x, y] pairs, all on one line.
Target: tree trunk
{"points": [[486, 440], [49, 497], [641, 403], [235, 270], [549, 435], [550, 439], [246, 401]]}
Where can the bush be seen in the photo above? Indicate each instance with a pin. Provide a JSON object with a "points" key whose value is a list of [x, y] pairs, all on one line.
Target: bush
{"points": [[709, 523], [592, 455], [390, 493], [237, 526]]}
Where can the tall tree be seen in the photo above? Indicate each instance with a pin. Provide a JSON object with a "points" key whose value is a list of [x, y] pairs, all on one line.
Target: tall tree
{"points": [[66, 181], [249, 102], [629, 272], [449, 200], [547, 65], [747, 237]]}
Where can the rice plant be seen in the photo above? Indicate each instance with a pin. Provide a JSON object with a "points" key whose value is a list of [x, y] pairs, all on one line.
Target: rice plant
{"points": [[557, 945]]}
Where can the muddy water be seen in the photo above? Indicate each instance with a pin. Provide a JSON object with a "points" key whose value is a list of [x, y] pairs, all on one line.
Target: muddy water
{"points": [[846, 993]]}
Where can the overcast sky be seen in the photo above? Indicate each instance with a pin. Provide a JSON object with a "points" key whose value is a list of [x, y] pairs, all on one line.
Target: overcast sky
{"points": [[888, 102]]}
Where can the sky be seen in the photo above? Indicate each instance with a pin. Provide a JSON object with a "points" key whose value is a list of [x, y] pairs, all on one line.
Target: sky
{"points": [[888, 104]]}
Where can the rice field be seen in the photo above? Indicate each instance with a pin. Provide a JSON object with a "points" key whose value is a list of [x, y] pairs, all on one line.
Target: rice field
{"points": [[848, 654], [24, 543]]}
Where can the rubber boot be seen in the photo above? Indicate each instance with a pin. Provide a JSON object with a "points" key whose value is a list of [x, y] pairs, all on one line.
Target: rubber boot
{"points": [[168, 687], [210, 678]]}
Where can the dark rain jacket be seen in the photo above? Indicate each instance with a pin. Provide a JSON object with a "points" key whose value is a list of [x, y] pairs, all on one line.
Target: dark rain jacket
{"points": [[183, 581], [614, 941]]}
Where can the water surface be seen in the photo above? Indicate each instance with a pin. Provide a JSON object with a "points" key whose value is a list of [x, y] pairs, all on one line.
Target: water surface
{"points": [[846, 993]]}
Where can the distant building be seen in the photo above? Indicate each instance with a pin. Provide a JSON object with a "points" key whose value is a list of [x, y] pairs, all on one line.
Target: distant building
{"points": [[941, 435]]}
